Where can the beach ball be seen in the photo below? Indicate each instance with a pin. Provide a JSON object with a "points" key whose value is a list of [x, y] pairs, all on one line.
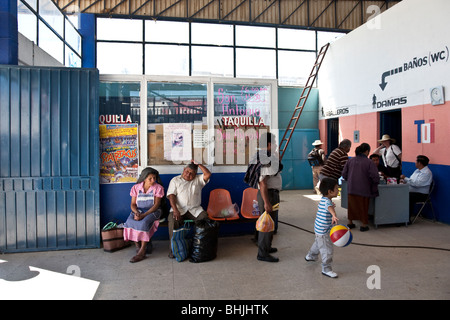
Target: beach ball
{"points": [[341, 236]]}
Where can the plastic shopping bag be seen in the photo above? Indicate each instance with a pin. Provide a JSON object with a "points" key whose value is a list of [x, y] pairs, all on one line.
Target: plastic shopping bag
{"points": [[265, 222]]}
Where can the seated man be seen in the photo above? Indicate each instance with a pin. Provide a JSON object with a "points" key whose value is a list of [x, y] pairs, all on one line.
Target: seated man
{"points": [[419, 182], [380, 166], [185, 196]]}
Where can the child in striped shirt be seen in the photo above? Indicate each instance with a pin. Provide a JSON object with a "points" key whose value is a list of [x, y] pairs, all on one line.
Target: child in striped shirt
{"points": [[325, 218]]}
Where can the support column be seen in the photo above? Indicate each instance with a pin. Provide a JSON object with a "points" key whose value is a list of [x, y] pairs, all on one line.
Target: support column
{"points": [[9, 43]]}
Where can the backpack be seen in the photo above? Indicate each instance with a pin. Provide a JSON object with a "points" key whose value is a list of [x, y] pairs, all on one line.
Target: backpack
{"points": [[314, 158], [253, 173]]}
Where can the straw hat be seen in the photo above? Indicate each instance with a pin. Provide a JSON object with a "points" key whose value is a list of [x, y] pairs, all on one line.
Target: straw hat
{"points": [[317, 143], [386, 137]]}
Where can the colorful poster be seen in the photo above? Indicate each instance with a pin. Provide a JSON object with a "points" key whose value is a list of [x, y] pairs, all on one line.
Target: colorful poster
{"points": [[118, 153]]}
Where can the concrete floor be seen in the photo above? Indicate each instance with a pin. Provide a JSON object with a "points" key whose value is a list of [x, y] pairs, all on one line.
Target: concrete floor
{"points": [[236, 274]]}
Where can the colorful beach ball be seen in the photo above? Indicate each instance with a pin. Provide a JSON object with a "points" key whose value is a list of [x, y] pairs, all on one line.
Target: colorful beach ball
{"points": [[341, 236]]}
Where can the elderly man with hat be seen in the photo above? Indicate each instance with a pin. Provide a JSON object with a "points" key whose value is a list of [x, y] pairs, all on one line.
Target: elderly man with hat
{"points": [[316, 160], [392, 156]]}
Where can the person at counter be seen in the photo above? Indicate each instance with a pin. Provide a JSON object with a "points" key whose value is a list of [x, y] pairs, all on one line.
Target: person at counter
{"points": [[392, 156], [362, 179], [336, 161], [380, 166], [419, 182]]}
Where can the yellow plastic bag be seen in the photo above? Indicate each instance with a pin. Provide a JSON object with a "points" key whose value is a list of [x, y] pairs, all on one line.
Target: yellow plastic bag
{"points": [[265, 222]]}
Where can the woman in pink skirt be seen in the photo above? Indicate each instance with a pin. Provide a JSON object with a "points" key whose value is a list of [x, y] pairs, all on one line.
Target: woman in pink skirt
{"points": [[143, 221]]}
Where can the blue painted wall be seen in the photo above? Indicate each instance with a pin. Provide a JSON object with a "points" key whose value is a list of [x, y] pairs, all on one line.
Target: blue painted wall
{"points": [[9, 45], [440, 194], [297, 172], [115, 202]]}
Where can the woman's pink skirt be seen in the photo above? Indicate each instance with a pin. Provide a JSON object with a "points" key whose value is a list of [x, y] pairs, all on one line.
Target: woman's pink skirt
{"points": [[137, 236]]}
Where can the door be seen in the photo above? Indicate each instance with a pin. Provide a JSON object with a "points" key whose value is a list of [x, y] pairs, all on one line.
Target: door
{"points": [[391, 124], [332, 134], [49, 159]]}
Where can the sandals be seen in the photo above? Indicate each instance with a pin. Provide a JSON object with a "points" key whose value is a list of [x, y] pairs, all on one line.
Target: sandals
{"points": [[137, 259]]}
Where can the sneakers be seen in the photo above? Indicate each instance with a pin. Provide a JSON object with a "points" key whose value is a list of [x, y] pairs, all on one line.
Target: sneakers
{"points": [[330, 274]]}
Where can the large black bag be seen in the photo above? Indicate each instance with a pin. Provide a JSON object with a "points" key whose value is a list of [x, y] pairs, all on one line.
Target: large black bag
{"points": [[204, 243]]}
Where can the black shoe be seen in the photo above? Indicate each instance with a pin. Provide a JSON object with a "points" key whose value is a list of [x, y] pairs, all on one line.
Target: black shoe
{"points": [[269, 258], [351, 225], [362, 229], [273, 250]]}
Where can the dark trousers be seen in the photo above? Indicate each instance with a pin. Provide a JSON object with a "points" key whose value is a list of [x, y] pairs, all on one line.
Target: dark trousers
{"points": [[265, 238]]}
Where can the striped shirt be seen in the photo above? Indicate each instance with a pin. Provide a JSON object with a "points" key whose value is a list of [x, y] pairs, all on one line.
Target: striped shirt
{"points": [[324, 219], [335, 163]]}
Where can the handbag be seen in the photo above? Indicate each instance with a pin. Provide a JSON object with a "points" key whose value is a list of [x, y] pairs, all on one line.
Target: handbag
{"points": [[179, 242]]}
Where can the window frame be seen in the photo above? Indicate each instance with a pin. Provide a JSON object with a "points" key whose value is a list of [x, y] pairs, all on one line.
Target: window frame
{"points": [[209, 81]]}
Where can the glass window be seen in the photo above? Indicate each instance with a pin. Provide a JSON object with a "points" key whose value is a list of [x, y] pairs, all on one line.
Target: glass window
{"points": [[255, 63], [324, 37], [119, 102], [166, 60], [243, 112], [175, 112], [255, 36], [51, 14], [119, 110], [119, 29], [31, 3], [210, 33], [296, 39], [242, 100], [166, 31], [50, 43], [119, 58], [212, 61], [26, 22], [72, 37], [72, 59], [294, 67]]}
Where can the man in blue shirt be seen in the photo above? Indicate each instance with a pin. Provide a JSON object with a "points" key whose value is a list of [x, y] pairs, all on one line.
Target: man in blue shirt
{"points": [[419, 182]]}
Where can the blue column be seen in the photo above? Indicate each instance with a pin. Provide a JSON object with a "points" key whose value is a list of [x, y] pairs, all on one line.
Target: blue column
{"points": [[87, 30], [9, 44]]}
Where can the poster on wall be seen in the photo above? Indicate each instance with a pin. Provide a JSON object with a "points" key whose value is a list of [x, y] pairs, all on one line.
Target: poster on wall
{"points": [[118, 153], [177, 142]]}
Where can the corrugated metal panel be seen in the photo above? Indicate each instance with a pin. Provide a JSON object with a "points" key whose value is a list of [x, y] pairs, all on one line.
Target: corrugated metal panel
{"points": [[330, 14], [49, 163]]}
